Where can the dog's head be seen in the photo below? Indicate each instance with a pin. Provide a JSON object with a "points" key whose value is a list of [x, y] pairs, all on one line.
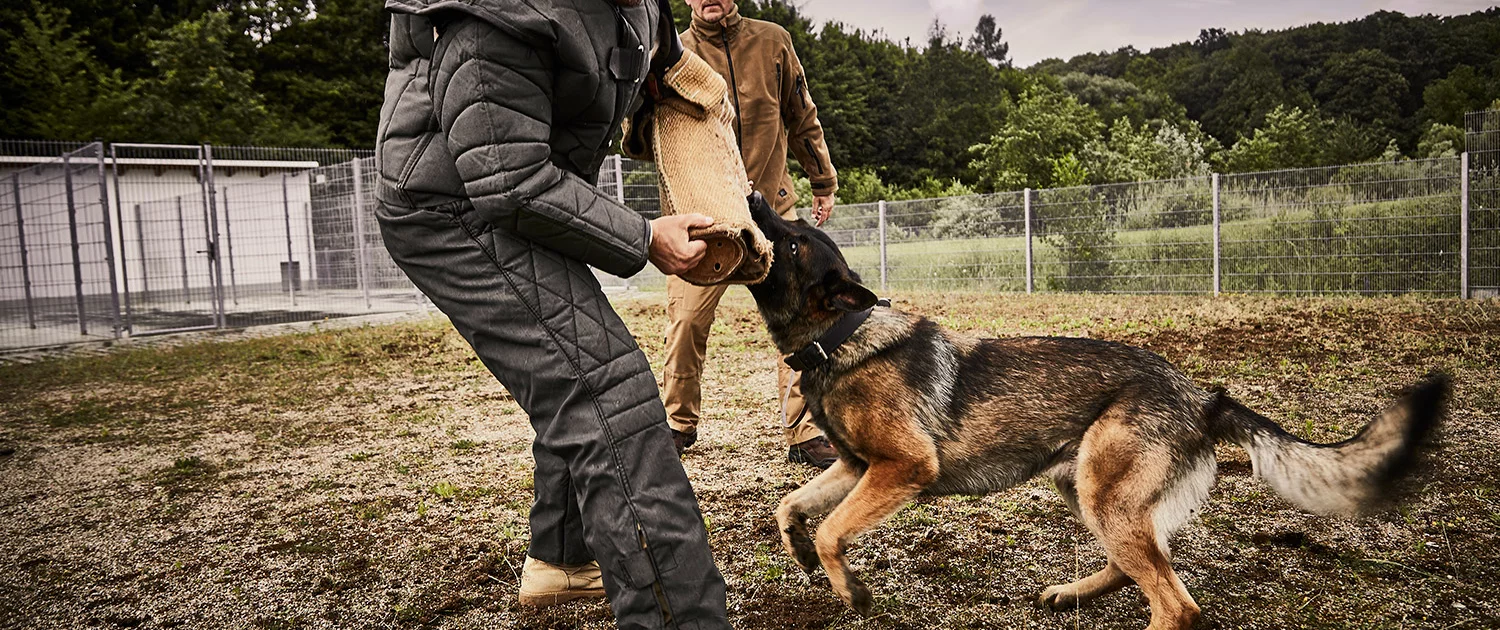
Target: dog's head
{"points": [[810, 284]]}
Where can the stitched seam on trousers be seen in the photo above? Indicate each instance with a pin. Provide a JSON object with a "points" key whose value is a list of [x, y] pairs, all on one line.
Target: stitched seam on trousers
{"points": [[578, 371], [643, 427]]}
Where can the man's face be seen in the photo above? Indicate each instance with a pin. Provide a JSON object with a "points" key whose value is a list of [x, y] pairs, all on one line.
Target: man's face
{"points": [[710, 10]]}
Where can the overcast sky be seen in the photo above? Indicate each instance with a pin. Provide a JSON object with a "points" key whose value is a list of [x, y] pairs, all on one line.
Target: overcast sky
{"points": [[1037, 30]]}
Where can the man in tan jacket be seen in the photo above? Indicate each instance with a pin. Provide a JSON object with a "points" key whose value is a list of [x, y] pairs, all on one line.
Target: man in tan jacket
{"points": [[774, 112]]}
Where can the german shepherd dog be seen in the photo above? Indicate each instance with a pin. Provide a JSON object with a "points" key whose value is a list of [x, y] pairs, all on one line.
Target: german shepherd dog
{"points": [[1127, 439]]}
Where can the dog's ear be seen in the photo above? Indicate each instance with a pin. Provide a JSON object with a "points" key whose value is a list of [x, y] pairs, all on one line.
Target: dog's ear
{"points": [[846, 295]]}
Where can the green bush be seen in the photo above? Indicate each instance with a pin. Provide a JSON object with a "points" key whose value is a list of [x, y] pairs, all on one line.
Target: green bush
{"points": [[977, 216]]}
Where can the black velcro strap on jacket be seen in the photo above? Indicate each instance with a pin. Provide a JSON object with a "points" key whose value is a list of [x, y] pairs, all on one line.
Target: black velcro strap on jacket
{"points": [[668, 45], [816, 353]]}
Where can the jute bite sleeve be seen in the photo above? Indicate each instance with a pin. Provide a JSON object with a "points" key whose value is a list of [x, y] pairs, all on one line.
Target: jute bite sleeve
{"points": [[689, 133]]}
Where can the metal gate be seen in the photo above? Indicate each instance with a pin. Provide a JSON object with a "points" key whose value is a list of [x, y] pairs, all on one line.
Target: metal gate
{"points": [[169, 228], [57, 255], [100, 243]]}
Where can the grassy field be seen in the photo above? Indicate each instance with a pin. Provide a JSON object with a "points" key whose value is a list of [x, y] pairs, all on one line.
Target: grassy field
{"points": [[379, 477]]}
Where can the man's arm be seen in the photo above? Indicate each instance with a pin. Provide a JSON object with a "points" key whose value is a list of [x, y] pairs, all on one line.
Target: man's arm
{"points": [[495, 103], [804, 132]]}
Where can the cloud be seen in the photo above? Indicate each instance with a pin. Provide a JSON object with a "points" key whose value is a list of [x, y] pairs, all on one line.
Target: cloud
{"points": [[1063, 28], [1195, 5], [1438, 7], [960, 14]]}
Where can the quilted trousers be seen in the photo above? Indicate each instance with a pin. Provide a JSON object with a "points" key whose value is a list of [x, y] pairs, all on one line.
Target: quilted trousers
{"points": [[608, 484]]}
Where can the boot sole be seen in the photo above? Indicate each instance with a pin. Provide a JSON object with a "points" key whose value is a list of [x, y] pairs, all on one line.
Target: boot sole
{"points": [[541, 600]]}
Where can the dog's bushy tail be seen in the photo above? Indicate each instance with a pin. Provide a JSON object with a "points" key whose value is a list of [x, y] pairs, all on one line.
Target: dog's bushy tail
{"points": [[1352, 477]]}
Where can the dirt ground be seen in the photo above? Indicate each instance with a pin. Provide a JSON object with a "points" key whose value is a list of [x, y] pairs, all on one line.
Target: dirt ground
{"points": [[379, 477]]}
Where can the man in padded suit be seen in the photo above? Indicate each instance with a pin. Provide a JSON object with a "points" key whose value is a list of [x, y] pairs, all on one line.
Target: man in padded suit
{"points": [[497, 116]]}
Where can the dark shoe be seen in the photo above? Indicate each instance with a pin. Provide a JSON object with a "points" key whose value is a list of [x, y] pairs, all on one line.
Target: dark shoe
{"points": [[816, 452], [683, 440]]}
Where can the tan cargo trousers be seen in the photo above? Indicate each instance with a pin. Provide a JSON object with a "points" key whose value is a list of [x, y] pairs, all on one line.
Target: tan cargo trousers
{"points": [[690, 311]]}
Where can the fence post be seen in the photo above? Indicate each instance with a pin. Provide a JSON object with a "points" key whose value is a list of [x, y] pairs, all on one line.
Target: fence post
{"points": [[15, 189], [620, 179], [114, 167], [1217, 271], [312, 244], [213, 244], [1463, 228], [359, 232], [140, 242], [619, 168], [1030, 274], [83, 327], [234, 288], [286, 213], [881, 207], [187, 293], [109, 244]]}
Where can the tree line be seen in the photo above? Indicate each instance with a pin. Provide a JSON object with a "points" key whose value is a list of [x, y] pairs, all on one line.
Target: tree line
{"points": [[904, 119]]}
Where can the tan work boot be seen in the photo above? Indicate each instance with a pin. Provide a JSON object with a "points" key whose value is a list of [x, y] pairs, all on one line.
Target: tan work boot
{"points": [[545, 584]]}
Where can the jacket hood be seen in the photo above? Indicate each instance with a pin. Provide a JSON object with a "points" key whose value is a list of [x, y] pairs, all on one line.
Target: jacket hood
{"points": [[716, 32]]}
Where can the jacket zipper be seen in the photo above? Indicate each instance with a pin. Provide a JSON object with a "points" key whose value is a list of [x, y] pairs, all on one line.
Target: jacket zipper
{"points": [[656, 589], [734, 89], [813, 154]]}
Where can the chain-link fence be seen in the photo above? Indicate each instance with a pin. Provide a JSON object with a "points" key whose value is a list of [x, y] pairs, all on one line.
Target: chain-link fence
{"points": [[55, 256], [1384, 228], [133, 239], [106, 242], [1481, 220]]}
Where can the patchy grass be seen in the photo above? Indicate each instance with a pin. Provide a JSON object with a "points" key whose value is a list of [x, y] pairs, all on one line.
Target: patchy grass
{"points": [[380, 477]]}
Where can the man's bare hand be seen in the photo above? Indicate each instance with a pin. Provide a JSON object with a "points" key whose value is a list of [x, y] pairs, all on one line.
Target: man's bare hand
{"points": [[670, 250], [822, 208]]}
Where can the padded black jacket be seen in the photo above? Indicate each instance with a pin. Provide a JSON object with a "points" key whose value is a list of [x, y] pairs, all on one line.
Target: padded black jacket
{"points": [[509, 106]]}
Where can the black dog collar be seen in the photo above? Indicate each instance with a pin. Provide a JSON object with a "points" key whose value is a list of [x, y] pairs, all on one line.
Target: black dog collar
{"points": [[816, 353]]}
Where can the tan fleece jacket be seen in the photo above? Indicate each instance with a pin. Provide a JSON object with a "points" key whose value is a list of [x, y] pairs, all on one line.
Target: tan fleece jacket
{"points": [[775, 110]]}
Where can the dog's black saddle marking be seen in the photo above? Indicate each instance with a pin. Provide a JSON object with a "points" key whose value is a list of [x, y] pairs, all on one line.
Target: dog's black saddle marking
{"points": [[816, 353]]}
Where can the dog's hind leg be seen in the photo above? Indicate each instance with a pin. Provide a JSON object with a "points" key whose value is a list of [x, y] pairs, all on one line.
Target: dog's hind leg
{"points": [[813, 499], [885, 487], [1070, 596], [1106, 581], [1132, 495]]}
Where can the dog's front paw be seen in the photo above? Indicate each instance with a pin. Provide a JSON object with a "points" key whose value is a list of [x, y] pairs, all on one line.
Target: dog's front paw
{"points": [[859, 597], [806, 553], [802, 547], [1058, 598]]}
